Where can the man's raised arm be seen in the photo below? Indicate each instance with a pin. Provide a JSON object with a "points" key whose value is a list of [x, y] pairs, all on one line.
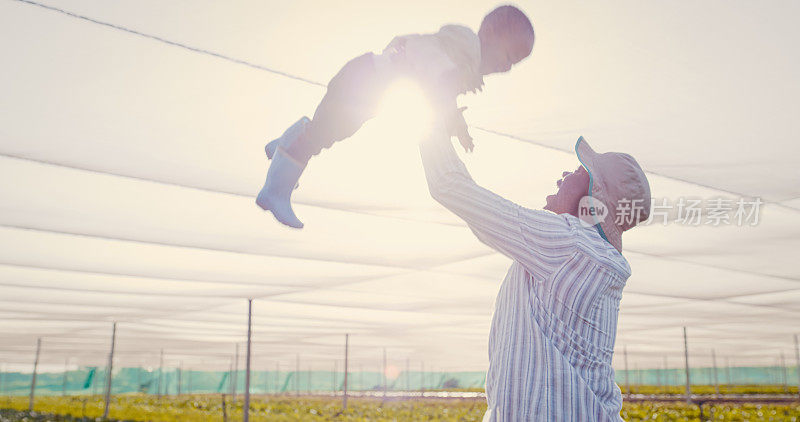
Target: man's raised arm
{"points": [[537, 239]]}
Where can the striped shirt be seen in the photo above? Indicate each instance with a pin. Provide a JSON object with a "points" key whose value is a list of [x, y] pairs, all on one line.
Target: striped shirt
{"points": [[555, 320]]}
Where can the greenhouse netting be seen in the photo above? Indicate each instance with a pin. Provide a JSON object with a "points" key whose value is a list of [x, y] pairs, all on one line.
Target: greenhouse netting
{"points": [[174, 382], [132, 147]]}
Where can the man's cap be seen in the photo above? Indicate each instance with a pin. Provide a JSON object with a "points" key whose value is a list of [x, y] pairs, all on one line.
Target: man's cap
{"points": [[619, 184]]}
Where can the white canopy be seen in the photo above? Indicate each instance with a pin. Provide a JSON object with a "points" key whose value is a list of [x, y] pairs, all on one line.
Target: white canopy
{"points": [[131, 150]]}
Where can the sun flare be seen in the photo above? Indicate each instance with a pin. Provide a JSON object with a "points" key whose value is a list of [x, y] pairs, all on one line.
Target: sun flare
{"points": [[405, 110]]}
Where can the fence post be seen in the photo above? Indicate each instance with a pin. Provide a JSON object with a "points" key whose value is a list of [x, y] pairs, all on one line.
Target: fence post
{"points": [[784, 378], [35, 368], [346, 346], [297, 375], [716, 379], [627, 380], [94, 380], [180, 377], [728, 370], [110, 370], [688, 380], [383, 373], [660, 379], [247, 363], [230, 376], [64, 378], [225, 406], [160, 374], [277, 376], [235, 374], [422, 378], [797, 360]]}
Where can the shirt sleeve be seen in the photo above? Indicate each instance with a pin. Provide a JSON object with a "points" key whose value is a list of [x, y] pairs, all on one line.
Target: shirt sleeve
{"points": [[539, 240]]}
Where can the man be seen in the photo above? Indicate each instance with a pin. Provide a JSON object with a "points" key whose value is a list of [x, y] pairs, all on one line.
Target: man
{"points": [[553, 330]]}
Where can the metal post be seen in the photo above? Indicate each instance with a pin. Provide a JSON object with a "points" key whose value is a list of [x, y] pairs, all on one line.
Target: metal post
{"points": [[716, 378], [688, 381], [335, 386], [64, 378], [225, 405], [189, 386], [666, 374], [297, 375], [94, 380], [784, 378], [728, 367], [160, 373], [230, 376], [138, 379], [235, 374], [35, 368], [660, 374], [346, 345], [247, 363], [797, 360], [180, 376], [110, 369], [774, 370], [361, 376], [277, 374], [384, 373], [422, 378], [627, 380], [308, 380]]}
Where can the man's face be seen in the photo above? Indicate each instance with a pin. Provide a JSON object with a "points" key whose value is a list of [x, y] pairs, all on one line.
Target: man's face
{"points": [[500, 51], [572, 186]]}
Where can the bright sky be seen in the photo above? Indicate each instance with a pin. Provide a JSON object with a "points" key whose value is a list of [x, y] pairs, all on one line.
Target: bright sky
{"points": [[129, 169]]}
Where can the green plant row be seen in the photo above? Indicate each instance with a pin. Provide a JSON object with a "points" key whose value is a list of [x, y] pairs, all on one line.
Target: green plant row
{"points": [[710, 389], [283, 408]]}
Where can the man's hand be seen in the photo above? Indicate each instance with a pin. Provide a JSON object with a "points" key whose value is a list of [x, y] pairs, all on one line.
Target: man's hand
{"points": [[457, 126]]}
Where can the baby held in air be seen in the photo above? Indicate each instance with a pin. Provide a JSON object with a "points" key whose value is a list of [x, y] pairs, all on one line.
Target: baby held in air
{"points": [[446, 64]]}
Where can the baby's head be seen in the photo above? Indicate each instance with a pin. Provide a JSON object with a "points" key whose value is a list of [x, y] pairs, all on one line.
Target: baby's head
{"points": [[506, 36]]}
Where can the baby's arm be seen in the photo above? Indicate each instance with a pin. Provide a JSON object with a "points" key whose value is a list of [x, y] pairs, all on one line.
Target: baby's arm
{"points": [[457, 126], [453, 115], [439, 76]]}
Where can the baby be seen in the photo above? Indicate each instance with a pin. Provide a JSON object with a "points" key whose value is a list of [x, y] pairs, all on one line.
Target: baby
{"points": [[446, 64]]}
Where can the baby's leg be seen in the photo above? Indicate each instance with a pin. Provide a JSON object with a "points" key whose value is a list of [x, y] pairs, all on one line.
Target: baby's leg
{"points": [[352, 99]]}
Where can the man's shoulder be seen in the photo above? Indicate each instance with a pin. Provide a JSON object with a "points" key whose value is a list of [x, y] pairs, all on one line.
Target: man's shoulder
{"points": [[589, 241]]}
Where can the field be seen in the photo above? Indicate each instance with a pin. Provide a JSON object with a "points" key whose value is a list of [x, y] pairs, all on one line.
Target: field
{"points": [[709, 389], [286, 408]]}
